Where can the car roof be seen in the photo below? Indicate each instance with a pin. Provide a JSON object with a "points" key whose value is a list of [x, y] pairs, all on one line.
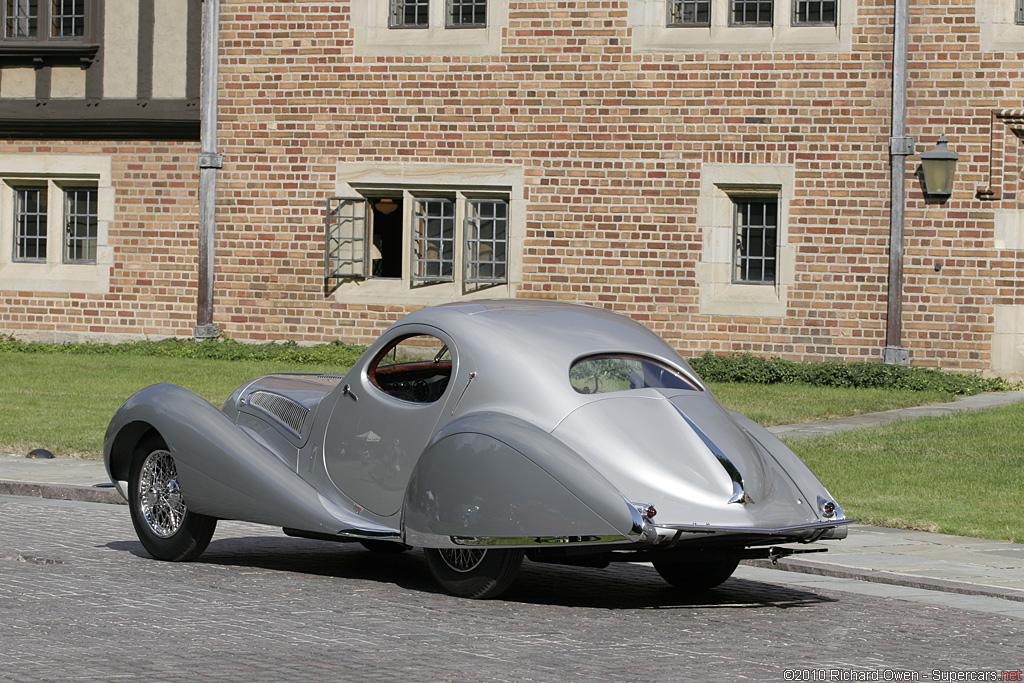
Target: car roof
{"points": [[558, 331], [521, 352]]}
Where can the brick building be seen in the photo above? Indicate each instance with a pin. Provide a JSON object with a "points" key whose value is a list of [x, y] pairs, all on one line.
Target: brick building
{"points": [[718, 169], [99, 131]]}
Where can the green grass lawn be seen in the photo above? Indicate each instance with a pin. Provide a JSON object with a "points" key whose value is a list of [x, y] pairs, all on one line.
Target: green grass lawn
{"points": [[63, 402], [962, 474], [780, 404], [958, 475]]}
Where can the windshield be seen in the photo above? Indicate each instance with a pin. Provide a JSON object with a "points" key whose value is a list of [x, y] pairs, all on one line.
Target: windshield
{"points": [[606, 373]]}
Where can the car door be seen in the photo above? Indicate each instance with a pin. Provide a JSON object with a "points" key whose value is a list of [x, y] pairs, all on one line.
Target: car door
{"points": [[386, 415]]}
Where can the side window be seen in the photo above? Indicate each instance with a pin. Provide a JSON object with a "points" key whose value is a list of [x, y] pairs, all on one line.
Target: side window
{"points": [[607, 373], [415, 368]]}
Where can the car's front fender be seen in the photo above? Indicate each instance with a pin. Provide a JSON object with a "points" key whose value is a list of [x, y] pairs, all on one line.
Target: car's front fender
{"points": [[495, 480], [222, 471]]}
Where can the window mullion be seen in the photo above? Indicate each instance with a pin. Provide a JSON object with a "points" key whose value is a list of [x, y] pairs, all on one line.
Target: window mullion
{"points": [[56, 237], [458, 272]]}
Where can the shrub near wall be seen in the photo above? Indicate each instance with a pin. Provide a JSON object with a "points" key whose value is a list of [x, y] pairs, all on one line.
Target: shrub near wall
{"points": [[757, 370]]}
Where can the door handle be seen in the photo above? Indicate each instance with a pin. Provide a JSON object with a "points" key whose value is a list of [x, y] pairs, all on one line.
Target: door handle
{"points": [[347, 390]]}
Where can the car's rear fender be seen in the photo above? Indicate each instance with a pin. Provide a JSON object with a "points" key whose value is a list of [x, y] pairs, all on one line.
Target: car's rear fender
{"points": [[222, 471], [495, 480]]}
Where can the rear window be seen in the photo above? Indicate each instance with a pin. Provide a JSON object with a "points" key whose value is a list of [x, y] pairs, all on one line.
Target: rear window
{"points": [[607, 373]]}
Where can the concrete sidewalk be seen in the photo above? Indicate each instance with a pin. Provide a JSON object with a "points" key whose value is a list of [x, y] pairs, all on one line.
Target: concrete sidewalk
{"points": [[954, 564]]}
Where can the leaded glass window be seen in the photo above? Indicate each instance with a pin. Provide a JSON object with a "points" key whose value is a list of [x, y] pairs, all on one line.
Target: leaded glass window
{"points": [[486, 240], [689, 13], [67, 18], [756, 234], [30, 223], [433, 237], [346, 238], [410, 13], [814, 12], [21, 18], [751, 13], [80, 225], [467, 13]]}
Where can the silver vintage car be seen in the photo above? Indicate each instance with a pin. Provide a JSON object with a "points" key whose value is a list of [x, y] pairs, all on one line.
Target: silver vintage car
{"points": [[481, 432]]}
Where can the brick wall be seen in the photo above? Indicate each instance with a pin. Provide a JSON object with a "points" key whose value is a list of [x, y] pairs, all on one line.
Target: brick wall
{"points": [[611, 141], [153, 235]]}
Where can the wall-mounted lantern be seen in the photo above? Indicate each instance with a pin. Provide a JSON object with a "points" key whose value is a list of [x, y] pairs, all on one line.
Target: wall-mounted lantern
{"points": [[937, 169]]}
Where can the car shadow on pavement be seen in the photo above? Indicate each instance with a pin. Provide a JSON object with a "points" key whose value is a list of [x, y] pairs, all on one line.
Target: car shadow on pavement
{"points": [[619, 586]]}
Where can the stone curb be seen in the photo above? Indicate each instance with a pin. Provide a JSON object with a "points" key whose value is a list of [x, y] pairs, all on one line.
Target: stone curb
{"points": [[85, 494], [874, 576]]}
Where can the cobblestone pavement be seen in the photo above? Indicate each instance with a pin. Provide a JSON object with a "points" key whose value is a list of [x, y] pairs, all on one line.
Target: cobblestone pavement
{"points": [[79, 598]]}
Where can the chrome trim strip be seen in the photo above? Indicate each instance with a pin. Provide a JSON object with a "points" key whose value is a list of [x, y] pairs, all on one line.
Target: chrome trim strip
{"points": [[709, 529], [422, 540], [533, 541]]}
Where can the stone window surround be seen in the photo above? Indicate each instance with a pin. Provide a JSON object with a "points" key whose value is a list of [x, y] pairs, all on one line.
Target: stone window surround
{"points": [[373, 37], [648, 25], [1000, 31], [718, 294], [369, 179], [55, 276]]}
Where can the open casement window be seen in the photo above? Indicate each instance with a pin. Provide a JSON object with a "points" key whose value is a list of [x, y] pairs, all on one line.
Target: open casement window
{"points": [[418, 237], [347, 238]]}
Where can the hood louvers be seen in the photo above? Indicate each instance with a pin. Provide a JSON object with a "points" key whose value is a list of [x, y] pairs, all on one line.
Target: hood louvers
{"points": [[291, 413]]}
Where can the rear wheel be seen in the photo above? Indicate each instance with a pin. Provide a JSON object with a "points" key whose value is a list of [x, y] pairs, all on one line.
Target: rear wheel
{"points": [[474, 572], [167, 528], [696, 574]]}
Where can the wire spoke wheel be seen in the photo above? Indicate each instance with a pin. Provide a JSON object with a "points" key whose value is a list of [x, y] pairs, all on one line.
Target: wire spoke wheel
{"points": [[166, 527], [463, 559], [159, 494], [474, 572]]}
